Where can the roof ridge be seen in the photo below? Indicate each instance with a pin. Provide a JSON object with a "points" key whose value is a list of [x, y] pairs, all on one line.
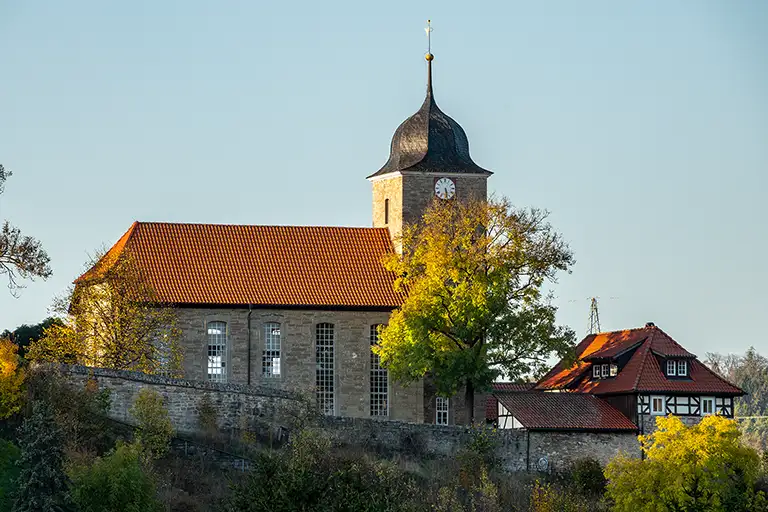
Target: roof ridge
{"points": [[670, 338], [716, 375], [111, 256], [209, 224]]}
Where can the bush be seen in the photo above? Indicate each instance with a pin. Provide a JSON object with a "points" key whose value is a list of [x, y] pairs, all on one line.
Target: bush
{"points": [[9, 472], [587, 478], [117, 483], [154, 430], [312, 476]]}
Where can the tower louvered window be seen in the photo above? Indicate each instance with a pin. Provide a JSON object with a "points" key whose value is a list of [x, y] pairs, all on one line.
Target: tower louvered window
{"points": [[324, 375], [379, 379]]}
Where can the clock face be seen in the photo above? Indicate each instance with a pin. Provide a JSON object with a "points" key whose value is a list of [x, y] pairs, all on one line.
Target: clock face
{"points": [[445, 188]]}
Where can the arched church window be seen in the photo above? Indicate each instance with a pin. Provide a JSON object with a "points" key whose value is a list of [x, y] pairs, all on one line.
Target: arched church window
{"points": [[324, 359], [217, 351], [270, 361], [379, 379]]}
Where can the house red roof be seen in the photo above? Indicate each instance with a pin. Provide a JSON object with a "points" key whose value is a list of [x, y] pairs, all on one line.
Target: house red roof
{"points": [[491, 407], [259, 265], [641, 373], [564, 411]]}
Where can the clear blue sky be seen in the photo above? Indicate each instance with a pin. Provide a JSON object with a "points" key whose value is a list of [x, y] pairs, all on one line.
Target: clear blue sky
{"points": [[641, 126]]}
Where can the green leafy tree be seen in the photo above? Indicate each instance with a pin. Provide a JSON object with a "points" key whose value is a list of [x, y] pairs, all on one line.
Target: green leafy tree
{"points": [[474, 274], [12, 377], [21, 257], [9, 472], [42, 485], [113, 320], [705, 467], [154, 430], [116, 482]]}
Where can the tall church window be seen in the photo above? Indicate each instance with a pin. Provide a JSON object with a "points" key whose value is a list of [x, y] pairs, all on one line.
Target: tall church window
{"points": [[386, 211], [270, 359], [379, 379], [324, 360], [217, 351], [441, 410]]}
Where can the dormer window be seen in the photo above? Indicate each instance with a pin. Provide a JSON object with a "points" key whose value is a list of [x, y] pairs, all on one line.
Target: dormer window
{"points": [[614, 370], [595, 371], [671, 368], [605, 370], [682, 368]]}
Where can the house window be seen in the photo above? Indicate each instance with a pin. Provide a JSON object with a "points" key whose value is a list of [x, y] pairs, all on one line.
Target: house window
{"points": [[164, 356], [217, 351], [707, 406], [386, 211], [596, 371], [270, 359], [324, 359], [614, 370], [605, 370], [657, 405], [682, 369], [441, 410], [379, 379], [671, 368]]}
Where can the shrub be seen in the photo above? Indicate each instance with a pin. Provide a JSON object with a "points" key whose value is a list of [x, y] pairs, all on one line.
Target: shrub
{"points": [[546, 498], [116, 482], [9, 472], [312, 476], [207, 417], [587, 478], [42, 485], [154, 430]]}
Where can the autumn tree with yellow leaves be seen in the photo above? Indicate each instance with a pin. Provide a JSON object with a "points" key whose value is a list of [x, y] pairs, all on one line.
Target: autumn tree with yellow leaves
{"points": [[704, 467], [113, 320], [12, 377], [474, 273]]}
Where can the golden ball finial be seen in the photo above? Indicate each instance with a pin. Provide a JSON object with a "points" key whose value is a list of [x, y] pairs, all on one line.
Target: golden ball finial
{"points": [[429, 57]]}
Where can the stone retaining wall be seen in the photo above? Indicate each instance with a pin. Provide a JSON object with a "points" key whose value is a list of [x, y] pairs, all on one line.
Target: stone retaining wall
{"points": [[246, 407]]}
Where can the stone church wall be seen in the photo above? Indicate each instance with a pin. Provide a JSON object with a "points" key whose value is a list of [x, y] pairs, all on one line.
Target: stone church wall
{"points": [[297, 372], [240, 406]]}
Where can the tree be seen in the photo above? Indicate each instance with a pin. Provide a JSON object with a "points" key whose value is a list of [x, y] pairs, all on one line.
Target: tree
{"points": [[113, 320], [25, 334], [154, 430], [42, 485], [750, 373], [704, 467], [11, 379], [21, 257], [474, 272]]}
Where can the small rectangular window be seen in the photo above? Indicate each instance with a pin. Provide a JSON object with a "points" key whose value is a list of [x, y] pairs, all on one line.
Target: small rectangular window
{"points": [[605, 370], [682, 368], [657, 405], [671, 368], [386, 211], [707, 406], [441, 410], [614, 370], [596, 371]]}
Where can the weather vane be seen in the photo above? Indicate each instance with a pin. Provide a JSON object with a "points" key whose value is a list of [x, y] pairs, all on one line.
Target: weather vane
{"points": [[428, 30]]}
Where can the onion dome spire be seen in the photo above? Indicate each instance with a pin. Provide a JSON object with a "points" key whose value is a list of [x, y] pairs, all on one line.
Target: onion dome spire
{"points": [[430, 141]]}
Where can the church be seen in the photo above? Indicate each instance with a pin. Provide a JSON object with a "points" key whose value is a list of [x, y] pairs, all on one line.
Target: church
{"points": [[299, 307]]}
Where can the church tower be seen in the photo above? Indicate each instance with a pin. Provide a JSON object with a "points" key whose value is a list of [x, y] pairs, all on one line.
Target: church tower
{"points": [[429, 160]]}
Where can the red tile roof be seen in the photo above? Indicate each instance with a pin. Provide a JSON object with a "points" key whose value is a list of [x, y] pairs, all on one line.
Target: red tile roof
{"points": [[564, 411], [259, 265], [491, 407], [642, 373]]}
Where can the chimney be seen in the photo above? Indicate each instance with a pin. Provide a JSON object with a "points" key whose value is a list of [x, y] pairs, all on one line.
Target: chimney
{"points": [[650, 324]]}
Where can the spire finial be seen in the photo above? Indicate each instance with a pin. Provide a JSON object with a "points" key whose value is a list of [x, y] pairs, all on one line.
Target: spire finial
{"points": [[429, 56]]}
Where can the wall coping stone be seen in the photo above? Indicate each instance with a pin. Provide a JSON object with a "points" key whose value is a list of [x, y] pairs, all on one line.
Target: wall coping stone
{"points": [[219, 387]]}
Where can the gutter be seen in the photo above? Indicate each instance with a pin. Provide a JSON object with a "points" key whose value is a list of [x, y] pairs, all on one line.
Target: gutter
{"points": [[248, 379]]}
